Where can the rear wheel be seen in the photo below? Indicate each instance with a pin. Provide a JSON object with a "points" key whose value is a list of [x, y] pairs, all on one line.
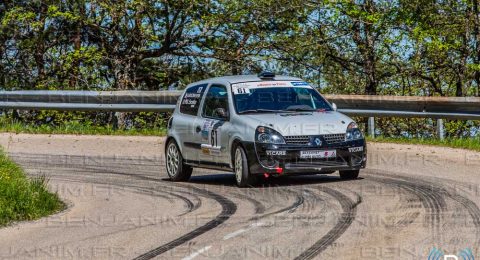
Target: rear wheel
{"points": [[241, 170], [177, 170], [349, 175]]}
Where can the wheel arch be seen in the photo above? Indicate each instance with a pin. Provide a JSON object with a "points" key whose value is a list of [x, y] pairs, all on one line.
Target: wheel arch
{"points": [[235, 142], [170, 138]]}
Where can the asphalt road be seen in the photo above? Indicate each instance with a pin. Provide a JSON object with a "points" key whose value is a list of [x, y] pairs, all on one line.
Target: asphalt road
{"points": [[411, 200]]}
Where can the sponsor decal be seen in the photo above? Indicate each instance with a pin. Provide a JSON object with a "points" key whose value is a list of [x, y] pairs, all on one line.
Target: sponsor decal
{"points": [[190, 102], [215, 151], [191, 99], [210, 150], [192, 95], [206, 128], [275, 152], [205, 150], [295, 114], [272, 84], [318, 154], [356, 149], [300, 84]]}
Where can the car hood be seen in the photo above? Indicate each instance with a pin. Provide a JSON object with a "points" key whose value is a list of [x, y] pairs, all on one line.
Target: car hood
{"points": [[302, 123]]}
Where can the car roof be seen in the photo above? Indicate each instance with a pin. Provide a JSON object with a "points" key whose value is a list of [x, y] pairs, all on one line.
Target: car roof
{"points": [[244, 78]]}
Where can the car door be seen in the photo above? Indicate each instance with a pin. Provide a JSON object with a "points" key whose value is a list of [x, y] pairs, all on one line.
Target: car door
{"points": [[214, 126], [187, 120]]}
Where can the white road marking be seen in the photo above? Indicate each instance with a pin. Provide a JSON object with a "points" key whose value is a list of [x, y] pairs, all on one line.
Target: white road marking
{"points": [[243, 230], [258, 224], [234, 234], [201, 251]]}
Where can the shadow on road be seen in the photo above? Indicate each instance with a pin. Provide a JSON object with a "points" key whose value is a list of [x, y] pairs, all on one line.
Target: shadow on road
{"points": [[228, 179]]}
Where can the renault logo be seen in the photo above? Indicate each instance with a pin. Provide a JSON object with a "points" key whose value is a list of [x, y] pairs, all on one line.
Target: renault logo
{"points": [[317, 141]]}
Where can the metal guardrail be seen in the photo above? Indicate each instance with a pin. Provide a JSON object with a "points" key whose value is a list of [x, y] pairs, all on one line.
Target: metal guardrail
{"points": [[409, 114], [161, 101], [121, 101], [87, 107], [465, 108], [445, 105], [91, 97]]}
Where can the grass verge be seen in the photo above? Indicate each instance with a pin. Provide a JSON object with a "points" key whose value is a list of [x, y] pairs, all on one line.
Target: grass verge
{"points": [[75, 128], [465, 143], [22, 198]]}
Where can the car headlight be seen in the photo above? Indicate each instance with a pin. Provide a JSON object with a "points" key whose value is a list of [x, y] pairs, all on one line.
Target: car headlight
{"points": [[353, 132], [268, 136]]}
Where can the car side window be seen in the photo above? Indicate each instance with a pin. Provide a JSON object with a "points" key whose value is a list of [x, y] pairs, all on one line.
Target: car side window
{"points": [[191, 99], [216, 103]]}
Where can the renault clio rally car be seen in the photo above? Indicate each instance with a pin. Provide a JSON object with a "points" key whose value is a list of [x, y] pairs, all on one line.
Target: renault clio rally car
{"points": [[260, 126]]}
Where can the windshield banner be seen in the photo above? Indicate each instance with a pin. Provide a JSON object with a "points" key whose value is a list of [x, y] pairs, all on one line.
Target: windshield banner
{"points": [[245, 87]]}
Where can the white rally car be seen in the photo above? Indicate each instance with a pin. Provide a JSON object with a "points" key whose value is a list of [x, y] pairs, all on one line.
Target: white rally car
{"points": [[260, 125]]}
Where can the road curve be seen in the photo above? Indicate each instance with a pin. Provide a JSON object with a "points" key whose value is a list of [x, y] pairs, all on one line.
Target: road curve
{"points": [[408, 201]]}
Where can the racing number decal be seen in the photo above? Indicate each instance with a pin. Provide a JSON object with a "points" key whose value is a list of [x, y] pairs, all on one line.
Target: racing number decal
{"points": [[242, 91], [211, 133], [214, 137], [211, 137]]}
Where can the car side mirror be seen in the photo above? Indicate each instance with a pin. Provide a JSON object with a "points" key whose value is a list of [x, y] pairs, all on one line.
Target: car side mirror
{"points": [[221, 113], [334, 106]]}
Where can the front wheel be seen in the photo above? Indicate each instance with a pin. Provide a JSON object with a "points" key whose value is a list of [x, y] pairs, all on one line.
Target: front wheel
{"points": [[349, 175], [177, 170], [242, 173]]}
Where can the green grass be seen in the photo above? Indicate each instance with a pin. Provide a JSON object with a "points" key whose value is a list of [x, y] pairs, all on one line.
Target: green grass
{"points": [[465, 143], [75, 128], [22, 198]]}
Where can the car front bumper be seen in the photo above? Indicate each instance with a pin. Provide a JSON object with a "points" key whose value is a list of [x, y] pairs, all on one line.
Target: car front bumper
{"points": [[286, 159]]}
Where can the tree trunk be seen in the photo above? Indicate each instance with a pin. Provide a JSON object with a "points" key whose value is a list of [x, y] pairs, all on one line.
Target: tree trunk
{"points": [[77, 45], [476, 52], [123, 80], [2, 68], [40, 46], [367, 50], [459, 85], [235, 68], [121, 118], [476, 31], [365, 41], [39, 61]]}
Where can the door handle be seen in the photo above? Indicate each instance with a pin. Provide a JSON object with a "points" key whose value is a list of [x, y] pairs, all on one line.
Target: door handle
{"points": [[198, 129]]}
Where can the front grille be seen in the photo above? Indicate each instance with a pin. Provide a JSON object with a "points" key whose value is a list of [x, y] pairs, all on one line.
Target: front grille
{"points": [[305, 139], [297, 139], [334, 138]]}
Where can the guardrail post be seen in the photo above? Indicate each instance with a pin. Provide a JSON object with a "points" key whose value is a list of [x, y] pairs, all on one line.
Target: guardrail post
{"points": [[440, 129], [371, 127]]}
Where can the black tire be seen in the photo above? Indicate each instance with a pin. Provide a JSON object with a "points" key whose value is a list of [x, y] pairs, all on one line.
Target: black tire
{"points": [[349, 175], [241, 170], [181, 172]]}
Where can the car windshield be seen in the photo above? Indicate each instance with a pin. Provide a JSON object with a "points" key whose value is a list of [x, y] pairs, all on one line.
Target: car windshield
{"points": [[278, 99]]}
